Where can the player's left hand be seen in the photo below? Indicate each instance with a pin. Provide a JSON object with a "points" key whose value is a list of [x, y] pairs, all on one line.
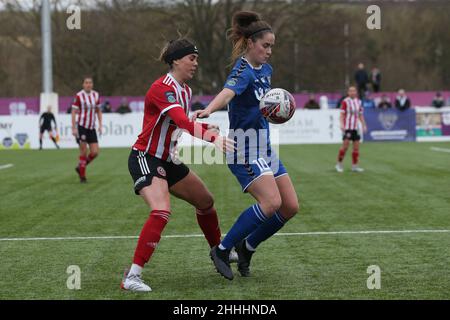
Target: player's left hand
{"points": [[225, 144], [100, 130], [200, 114]]}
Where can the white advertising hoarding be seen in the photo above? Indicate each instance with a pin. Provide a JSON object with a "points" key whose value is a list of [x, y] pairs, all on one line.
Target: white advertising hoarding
{"points": [[306, 126]]}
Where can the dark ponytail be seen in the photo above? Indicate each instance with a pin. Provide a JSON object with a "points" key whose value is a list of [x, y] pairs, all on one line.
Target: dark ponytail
{"points": [[246, 25]]}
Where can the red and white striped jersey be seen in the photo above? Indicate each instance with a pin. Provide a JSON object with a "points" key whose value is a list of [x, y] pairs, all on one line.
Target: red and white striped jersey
{"points": [[157, 127], [87, 105], [351, 108]]}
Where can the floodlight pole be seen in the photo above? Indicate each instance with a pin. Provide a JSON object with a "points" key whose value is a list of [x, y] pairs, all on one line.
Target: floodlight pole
{"points": [[48, 97], [46, 30], [347, 55]]}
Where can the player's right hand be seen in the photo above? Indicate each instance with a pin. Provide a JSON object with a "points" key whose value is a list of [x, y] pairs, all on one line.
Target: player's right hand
{"points": [[75, 132], [225, 144], [200, 114]]}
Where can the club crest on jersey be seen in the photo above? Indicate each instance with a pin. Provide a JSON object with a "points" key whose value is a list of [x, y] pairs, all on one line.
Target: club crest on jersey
{"points": [[170, 97], [161, 171], [232, 82]]}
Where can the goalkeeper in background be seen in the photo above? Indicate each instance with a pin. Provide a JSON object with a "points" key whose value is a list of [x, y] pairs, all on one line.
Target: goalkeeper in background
{"points": [[45, 124]]}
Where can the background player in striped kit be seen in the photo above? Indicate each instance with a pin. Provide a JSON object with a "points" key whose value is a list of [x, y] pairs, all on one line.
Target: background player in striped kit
{"points": [[263, 175], [152, 163], [87, 106], [351, 115]]}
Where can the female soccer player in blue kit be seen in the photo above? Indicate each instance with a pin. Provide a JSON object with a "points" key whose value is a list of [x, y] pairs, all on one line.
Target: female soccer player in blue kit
{"points": [[255, 165]]}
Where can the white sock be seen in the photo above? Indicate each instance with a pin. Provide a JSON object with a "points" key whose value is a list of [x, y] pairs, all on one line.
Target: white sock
{"points": [[221, 247], [135, 269], [249, 247]]}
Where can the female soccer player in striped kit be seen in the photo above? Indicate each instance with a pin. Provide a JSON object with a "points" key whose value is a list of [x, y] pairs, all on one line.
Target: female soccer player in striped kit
{"points": [[87, 105], [262, 174], [151, 163], [351, 114]]}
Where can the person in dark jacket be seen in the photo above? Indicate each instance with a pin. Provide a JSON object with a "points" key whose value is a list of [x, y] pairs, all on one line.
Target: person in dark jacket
{"points": [[438, 100], [384, 103], [124, 107], [402, 101], [361, 79], [375, 79], [311, 103]]}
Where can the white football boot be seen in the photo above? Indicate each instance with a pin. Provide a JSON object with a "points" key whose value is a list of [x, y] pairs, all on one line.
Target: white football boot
{"points": [[339, 167], [133, 282], [357, 169]]}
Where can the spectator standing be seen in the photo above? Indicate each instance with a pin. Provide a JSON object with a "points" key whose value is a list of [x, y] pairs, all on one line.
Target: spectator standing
{"points": [[384, 103], [124, 107], [375, 79], [361, 79], [311, 103], [106, 107], [402, 101], [368, 102], [438, 100]]}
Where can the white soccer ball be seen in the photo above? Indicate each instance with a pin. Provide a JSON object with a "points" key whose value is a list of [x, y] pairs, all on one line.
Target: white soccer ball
{"points": [[277, 106]]}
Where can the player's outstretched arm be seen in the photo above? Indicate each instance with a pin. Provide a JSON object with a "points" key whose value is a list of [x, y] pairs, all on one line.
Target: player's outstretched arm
{"points": [[219, 102], [202, 131]]}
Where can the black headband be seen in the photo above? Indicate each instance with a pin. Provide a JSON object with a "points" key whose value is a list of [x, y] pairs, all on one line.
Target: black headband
{"points": [[180, 53], [258, 31]]}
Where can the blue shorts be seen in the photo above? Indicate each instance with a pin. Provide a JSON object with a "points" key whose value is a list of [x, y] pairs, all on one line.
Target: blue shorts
{"points": [[249, 172]]}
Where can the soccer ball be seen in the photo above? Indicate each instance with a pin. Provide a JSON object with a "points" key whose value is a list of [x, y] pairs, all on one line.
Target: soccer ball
{"points": [[277, 106]]}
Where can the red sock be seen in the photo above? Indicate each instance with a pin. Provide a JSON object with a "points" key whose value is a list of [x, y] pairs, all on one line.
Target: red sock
{"points": [[150, 236], [82, 166], [209, 223], [341, 154], [355, 156], [91, 158]]}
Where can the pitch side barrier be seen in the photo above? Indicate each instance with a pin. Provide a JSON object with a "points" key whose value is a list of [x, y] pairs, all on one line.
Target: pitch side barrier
{"points": [[306, 127]]}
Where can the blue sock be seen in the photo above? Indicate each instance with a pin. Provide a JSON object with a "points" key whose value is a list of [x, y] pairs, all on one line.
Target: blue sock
{"points": [[266, 230], [247, 222]]}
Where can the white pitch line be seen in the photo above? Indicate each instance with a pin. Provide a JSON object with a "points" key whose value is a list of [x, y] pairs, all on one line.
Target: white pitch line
{"points": [[440, 149], [6, 166], [200, 235]]}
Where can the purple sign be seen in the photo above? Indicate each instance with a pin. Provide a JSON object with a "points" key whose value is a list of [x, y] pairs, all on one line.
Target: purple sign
{"points": [[30, 105], [19, 106], [390, 125]]}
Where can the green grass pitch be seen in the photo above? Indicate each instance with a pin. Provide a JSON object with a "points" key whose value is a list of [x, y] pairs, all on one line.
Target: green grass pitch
{"points": [[406, 186]]}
